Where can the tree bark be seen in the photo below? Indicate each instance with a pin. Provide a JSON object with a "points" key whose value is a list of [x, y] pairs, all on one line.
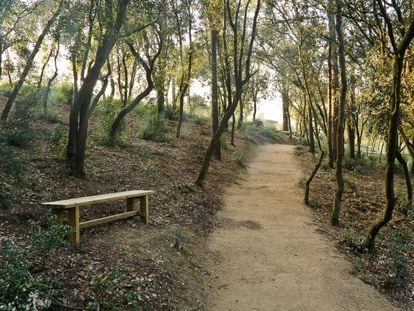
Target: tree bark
{"points": [[407, 178], [309, 180], [341, 120], [214, 92], [333, 85], [285, 104], [243, 64], [392, 138], [149, 68], [80, 109]]}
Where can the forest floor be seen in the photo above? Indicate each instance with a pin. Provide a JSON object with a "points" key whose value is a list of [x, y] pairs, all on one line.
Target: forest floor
{"points": [[390, 268], [269, 254], [162, 262]]}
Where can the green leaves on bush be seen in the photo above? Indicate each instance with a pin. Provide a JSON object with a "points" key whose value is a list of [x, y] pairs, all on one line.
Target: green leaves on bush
{"points": [[19, 289], [398, 261], [59, 139], [114, 291], [152, 127]]}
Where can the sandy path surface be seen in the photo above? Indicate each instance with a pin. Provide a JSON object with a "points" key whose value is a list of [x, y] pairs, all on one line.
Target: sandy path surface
{"points": [[271, 256]]}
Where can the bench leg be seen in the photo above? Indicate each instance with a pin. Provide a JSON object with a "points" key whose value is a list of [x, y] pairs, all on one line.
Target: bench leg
{"points": [[74, 235], [130, 204], [144, 209]]}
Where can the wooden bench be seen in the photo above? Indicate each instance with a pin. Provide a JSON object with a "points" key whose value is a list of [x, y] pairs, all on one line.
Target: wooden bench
{"points": [[73, 205]]}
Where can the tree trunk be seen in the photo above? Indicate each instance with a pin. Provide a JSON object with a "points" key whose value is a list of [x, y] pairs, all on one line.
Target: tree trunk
{"points": [[49, 82], [80, 110], [407, 178], [240, 83], [214, 92], [351, 140], [29, 63], [341, 120], [392, 137], [333, 85], [285, 104], [148, 68], [308, 182]]}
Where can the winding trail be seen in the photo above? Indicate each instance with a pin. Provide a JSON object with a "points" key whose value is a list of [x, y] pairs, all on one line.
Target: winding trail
{"points": [[270, 255]]}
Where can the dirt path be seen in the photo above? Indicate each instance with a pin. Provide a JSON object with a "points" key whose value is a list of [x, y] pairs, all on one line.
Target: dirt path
{"points": [[270, 255]]}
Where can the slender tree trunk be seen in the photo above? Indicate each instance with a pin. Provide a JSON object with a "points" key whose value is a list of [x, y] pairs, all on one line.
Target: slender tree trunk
{"points": [[186, 76], [285, 104], [29, 63], [49, 83], [392, 137], [240, 83], [332, 76], [42, 72], [214, 92], [308, 182], [149, 68], [341, 120], [80, 110], [407, 178], [351, 140]]}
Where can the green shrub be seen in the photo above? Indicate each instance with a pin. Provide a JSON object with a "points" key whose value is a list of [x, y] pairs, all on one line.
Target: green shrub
{"points": [[240, 158], [113, 291], [169, 113], [153, 127], [5, 197], [265, 130], [52, 237], [198, 119], [63, 93], [11, 163], [17, 130], [150, 168], [5, 89], [358, 166], [351, 237], [58, 138], [19, 290], [105, 114], [398, 261]]}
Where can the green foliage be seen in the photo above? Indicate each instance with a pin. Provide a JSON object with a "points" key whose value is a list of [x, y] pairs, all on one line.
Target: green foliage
{"points": [[240, 158], [49, 238], [150, 168], [266, 130], [19, 290], [17, 131], [198, 119], [5, 90], [169, 113], [198, 105], [104, 115], [152, 127], [351, 237], [58, 138], [398, 261], [11, 163], [113, 291], [5, 199], [144, 152], [63, 93], [359, 166]]}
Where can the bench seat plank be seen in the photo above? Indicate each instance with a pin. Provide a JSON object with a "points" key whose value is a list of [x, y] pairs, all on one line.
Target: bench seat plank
{"points": [[104, 220], [95, 199]]}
